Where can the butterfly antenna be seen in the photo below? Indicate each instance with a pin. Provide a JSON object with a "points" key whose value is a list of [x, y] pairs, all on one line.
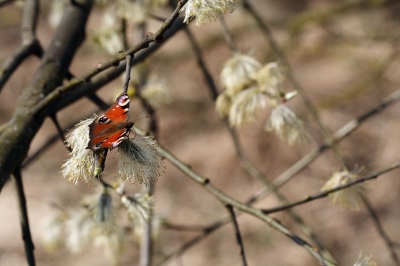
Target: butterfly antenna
{"points": [[141, 118], [143, 111]]}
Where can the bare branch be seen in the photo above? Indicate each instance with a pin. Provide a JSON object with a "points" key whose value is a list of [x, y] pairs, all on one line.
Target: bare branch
{"points": [[309, 105], [226, 200], [49, 143], [227, 35], [5, 2], [59, 129], [202, 65], [327, 192], [237, 233], [111, 74], [29, 44], [98, 101], [206, 231], [390, 245], [22, 127], [23, 216], [190, 228], [156, 37], [338, 136], [127, 73], [124, 36], [245, 162], [293, 170]]}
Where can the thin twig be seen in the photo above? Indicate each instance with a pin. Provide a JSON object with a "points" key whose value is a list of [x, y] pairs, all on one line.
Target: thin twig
{"points": [[309, 105], [98, 101], [327, 192], [207, 230], [124, 34], [5, 2], [146, 245], [237, 233], [190, 228], [107, 76], [338, 136], [53, 139], [49, 75], [293, 170], [127, 72], [225, 199], [69, 86], [29, 44], [23, 216], [102, 166], [202, 65], [245, 162], [227, 35], [390, 245], [53, 117]]}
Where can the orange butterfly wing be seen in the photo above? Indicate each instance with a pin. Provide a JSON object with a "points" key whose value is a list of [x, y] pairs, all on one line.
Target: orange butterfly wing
{"points": [[108, 130]]}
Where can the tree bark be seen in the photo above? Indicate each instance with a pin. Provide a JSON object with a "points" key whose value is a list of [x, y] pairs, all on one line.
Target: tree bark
{"points": [[16, 137]]}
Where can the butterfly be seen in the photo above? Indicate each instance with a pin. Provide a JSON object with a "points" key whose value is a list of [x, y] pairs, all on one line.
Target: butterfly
{"points": [[110, 129]]}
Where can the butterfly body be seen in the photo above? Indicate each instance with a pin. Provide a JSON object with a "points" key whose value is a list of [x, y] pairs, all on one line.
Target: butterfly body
{"points": [[110, 129]]}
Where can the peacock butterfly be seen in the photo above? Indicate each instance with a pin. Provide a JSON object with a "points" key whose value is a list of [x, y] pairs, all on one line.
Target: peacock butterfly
{"points": [[110, 129]]}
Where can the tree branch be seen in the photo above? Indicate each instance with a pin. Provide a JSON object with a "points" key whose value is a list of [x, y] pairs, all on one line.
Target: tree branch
{"points": [[127, 73], [98, 101], [5, 2], [202, 64], [338, 136], [390, 245], [237, 233], [29, 44], [227, 35], [68, 87], [294, 169], [327, 192], [22, 127], [23, 217], [111, 74], [247, 165], [309, 105], [53, 117], [226, 200]]}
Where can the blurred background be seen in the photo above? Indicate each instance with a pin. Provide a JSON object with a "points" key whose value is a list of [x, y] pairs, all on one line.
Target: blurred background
{"points": [[345, 56]]}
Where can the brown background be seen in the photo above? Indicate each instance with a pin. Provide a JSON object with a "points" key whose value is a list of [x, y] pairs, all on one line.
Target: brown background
{"points": [[335, 59]]}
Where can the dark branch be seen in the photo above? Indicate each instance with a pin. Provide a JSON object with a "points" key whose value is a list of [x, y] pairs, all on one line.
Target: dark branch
{"points": [[390, 245], [237, 233], [127, 72], [226, 200], [98, 101], [49, 143], [156, 37], [5, 2], [111, 74], [308, 104], [202, 65], [327, 192], [23, 216], [49, 75], [59, 129], [228, 36], [29, 44], [245, 162], [206, 231]]}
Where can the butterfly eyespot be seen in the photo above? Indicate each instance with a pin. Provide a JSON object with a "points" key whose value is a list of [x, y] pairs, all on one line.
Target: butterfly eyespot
{"points": [[123, 101], [98, 144], [103, 120]]}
